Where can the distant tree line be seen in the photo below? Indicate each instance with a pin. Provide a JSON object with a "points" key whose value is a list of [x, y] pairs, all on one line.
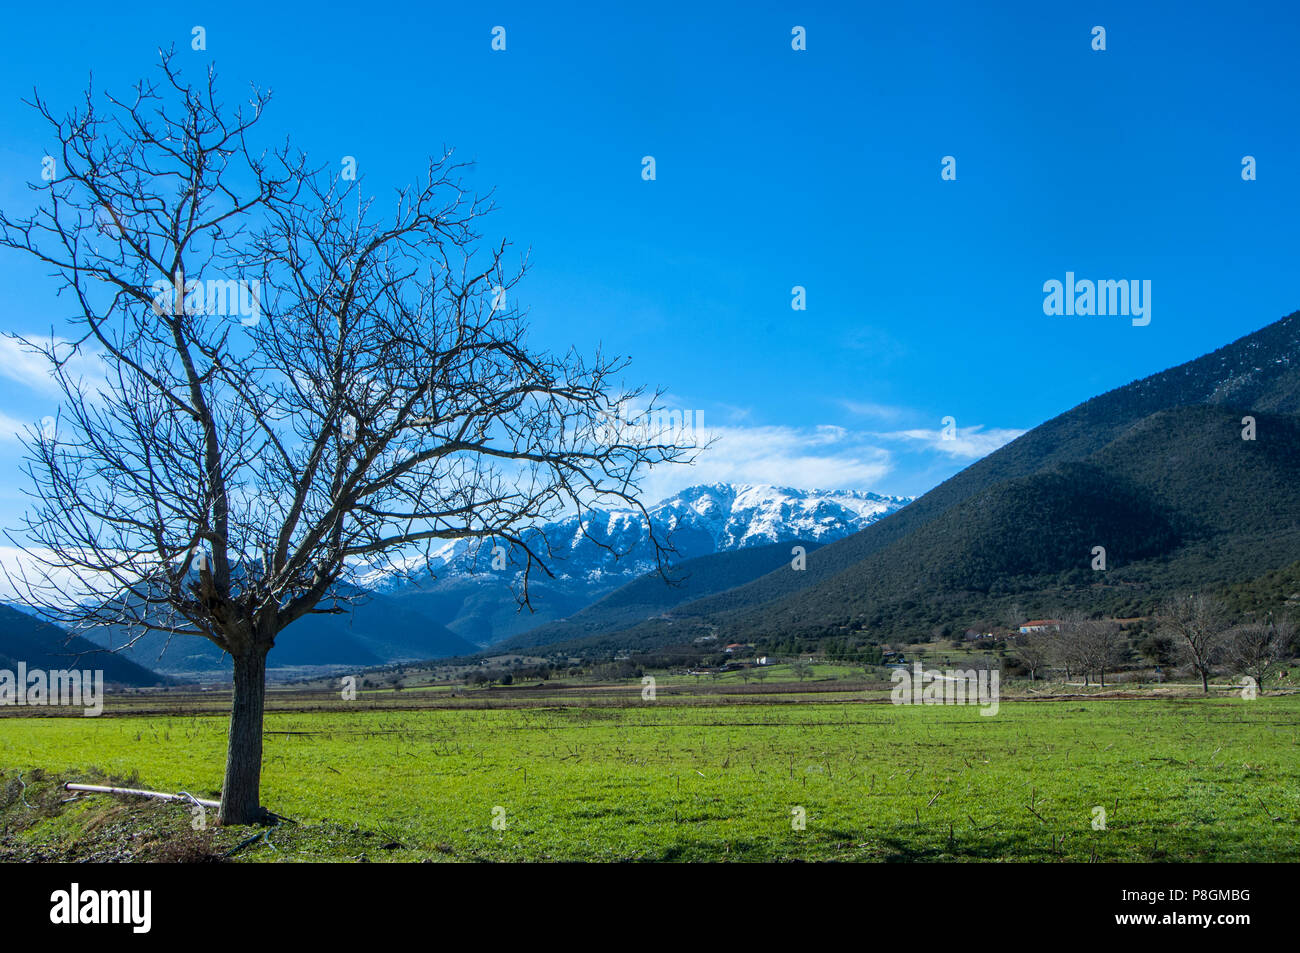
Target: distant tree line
{"points": [[1193, 630]]}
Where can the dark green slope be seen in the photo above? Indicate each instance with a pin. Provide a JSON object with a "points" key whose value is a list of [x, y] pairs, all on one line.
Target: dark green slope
{"points": [[1276, 592], [1195, 459], [1179, 500], [651, 595], [1259, 371], [24, 638]]}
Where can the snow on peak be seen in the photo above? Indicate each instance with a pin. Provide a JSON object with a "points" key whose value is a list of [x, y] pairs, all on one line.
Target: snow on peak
{"points": [[698, 521]]}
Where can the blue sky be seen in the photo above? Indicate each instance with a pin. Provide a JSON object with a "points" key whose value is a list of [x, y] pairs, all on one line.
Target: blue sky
{"points": [[777, 168]]}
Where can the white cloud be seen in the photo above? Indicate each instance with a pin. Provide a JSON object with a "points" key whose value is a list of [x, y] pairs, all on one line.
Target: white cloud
{"points": [[967, 443], [30, 368], [17, 565], [11, 428], [39, 571], [870, 409], [826, 457]]}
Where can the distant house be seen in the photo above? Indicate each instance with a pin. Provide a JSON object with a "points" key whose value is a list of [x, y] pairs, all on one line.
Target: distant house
{"points": [[761, 660], [1040, 625], [735, 647], [972, 634]]}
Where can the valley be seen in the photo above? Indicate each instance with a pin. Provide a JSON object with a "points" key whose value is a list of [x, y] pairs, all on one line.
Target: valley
{"points": [[818, 769]]}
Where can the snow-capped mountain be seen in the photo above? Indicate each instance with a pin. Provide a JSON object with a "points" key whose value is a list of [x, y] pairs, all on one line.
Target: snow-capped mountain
{"points": [[696, 522], [735, 516]]}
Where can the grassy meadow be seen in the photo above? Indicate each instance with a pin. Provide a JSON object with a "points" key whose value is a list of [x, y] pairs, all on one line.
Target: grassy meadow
{"points": [[1180, 778]]}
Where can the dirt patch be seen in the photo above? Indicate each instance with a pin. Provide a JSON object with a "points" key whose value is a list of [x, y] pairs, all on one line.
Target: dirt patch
{"points": [[42, 822]]}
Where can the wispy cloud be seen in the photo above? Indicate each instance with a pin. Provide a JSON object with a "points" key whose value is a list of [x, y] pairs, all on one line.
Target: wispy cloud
{"points": [[818, 456], [39, 573], [966, 443], [878, 411], [829, 456], [28, 367], [11, 428]]}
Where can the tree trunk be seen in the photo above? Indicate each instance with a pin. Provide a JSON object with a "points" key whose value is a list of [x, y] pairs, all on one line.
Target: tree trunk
{"points": [[1205, 681], [241, 792]]}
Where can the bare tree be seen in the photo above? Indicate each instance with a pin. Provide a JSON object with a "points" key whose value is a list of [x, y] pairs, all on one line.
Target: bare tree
{"points": [[1258, 649], [1068, 646], [1090, 646], [1034, 650], [1102, 639], [1197, 623], [230, 473]]}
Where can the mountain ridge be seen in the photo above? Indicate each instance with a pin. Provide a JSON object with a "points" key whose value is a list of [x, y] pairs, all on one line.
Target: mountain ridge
{"points": [[1261, 369], [479, 604], [1073, 435], [42, 645]]}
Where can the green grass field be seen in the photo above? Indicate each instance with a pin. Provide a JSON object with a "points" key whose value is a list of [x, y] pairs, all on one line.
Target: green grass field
{"points": [[1180, 779]]}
